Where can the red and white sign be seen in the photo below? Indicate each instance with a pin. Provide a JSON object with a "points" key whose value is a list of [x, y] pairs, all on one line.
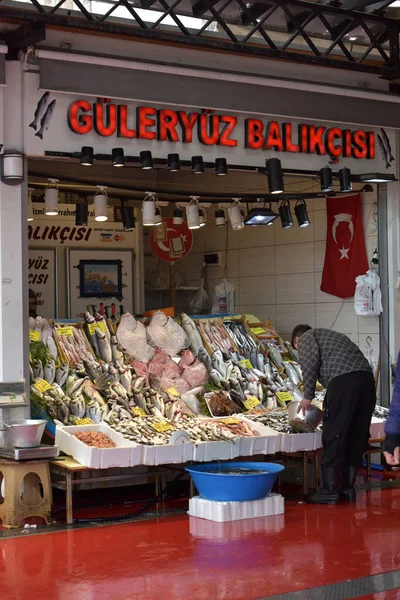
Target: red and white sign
{"points": [[175, 244]]}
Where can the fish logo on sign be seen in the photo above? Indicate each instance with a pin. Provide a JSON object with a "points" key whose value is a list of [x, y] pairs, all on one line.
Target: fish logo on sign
{"points": [[43, 115], [343, 218]]}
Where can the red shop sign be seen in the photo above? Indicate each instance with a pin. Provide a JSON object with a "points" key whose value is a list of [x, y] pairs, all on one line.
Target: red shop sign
{"points": [[170, 242]]}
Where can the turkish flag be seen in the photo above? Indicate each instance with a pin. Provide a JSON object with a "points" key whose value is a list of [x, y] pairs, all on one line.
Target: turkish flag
{"points": [[345, 254]]}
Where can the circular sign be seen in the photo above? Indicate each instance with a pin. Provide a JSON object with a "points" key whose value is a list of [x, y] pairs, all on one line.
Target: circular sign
{"points": [[170, 242]]}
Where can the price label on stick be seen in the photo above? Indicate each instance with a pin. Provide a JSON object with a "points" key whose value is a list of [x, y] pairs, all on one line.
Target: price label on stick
{"points": [[284, 396], [172, 391], [230, 421], [251, 402], [65, 331], [97, 325], [246, 364], [161, 427], [34, 336], [139, 412], [42, 386], [258, 331]]}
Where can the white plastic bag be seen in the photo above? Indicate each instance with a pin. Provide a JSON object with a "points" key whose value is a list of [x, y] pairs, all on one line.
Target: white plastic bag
{"points": [[368, 297], [224, 298], [201, 301]]}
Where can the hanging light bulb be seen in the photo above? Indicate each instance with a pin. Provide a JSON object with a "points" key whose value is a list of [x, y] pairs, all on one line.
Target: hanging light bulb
{"points": [[128, 219], [146, 160], [178, 216], [236, 215], [220, 218], [197, 165], [87, 156], [345, 180], [174, 163], [51, 198], [285, 214], [221, 167], [100, 201], [275, 175], [192, 213], [149, 210], [325, 176], [158, 217], [301, 213], [81, 213], [30, 205], [118, 157], [202, 217]]}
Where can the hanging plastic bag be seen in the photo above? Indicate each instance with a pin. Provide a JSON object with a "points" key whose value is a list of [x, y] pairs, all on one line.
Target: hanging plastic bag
{"points": [[224, 298], [201, 302], [368, 297]]}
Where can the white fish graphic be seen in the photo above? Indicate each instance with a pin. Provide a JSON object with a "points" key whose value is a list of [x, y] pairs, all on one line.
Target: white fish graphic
{"points": [[40, 109], [46, 119]]}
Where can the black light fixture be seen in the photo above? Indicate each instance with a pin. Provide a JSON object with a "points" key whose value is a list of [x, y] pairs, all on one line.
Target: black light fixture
{"points": [[178, 216], [260, 216], [285, 214], [221, 166], [197, 165], [146, 160], [118, 157], [275, 175], [325, 176], [174, 163], [81, 213], [220, 219], [128, 219], [301, 213], [345, 180], [377, 177], [87, 156]]}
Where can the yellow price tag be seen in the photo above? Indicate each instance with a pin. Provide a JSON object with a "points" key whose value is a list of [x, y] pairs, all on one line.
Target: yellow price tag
{"points": [[173, 392], [246, 364], [85, 421], [65, 331], [161, 427], [284, 396], [42, 386], [34, 336], [139, 412], [251, 402], [97, 325], [230, 421], [258, 330]]}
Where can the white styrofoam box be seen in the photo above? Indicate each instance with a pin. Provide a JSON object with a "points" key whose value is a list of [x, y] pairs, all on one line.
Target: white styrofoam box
{"points": [[377, 428], [318, 440], [125, 454], [274, 504], [234, 530], [206, 451], [295, 442], [168, 454], [268, 442]]}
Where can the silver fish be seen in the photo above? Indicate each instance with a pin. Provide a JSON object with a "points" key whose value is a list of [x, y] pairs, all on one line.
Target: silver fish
{"points": [[51, 346], [192, 332], [89, 319], [62, 374], [205, 358], [50, 371], [293, 353], [104, 346], [40, 110], [275, 356], [292, 373], [125, 377], [215, 376], [73, 384], [117, 354], [46, 119], [38, 369]]}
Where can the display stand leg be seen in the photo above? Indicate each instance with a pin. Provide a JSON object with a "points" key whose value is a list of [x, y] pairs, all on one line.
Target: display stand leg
{"points": [[317, 470], [68, 497], [305, 473], [172, 283]]}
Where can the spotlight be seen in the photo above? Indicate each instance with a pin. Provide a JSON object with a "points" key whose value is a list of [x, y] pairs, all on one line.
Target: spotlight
{"points": [[100, 201], [158, 217], [30, 205], [285, 214], [260, 216], [236, 215], [275, 175], [128, 219], [301, 213], [118, 158], [146, 160], [51, 198], [345, 180], [220, 219], [221, 167], [202, 217], [149, 210], [87, 156], [174, 163], [12, 168], [325, 176], [377, 177], [192, 214], [178, 216], [81, 213], [197, 165]]}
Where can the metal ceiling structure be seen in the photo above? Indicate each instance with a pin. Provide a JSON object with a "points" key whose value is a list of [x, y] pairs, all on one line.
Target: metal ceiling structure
{"points": [[363, 40]]}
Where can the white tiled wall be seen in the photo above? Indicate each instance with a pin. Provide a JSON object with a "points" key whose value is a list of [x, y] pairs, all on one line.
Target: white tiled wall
{"points": [[277, 273]]}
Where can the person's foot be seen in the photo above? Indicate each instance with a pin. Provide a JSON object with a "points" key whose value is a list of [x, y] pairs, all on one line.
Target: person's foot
{"points": [[323, 497], [348, 495], [347, 491]]}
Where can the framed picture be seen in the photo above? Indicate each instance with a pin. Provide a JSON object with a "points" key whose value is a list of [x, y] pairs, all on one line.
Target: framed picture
{"points": [[117, 214], [100, 278]]}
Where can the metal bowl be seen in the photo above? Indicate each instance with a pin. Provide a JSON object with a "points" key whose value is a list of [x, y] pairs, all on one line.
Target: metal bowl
{"points": [[24, 433]]}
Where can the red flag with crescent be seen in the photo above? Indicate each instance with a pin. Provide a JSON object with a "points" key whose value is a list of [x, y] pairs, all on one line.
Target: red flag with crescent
{"points": [[345, 254]]}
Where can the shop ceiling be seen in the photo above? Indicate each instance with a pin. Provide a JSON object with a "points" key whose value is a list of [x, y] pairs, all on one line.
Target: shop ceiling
{"points": [[359, 35]]}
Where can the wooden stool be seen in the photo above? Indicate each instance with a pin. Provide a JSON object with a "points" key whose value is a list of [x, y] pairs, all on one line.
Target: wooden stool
{"points": [[33, 502]]}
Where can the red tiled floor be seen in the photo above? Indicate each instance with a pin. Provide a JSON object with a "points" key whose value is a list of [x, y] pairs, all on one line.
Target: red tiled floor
{"points": [[179, 557], [391, 595]]}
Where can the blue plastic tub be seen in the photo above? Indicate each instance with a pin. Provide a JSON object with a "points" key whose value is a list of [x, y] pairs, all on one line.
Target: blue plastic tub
{"points": [[214, 482]]}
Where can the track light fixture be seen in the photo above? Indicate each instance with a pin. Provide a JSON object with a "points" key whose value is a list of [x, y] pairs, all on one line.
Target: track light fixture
{"points": [[178, 216], [30, 205], [149, 210], [300, 210], [174, 163], [12, 172], [51, 198], [220, 218], [345, 180], [118, 157], [221, 166], [325, 176], [146, 160], [285, 214], [202, 217], [158, 217], [260, 216], [236, 215], [275, 175], [192, 213], [197, 165], [100, 201], [81, 213], [128, 219], [87, 156]]}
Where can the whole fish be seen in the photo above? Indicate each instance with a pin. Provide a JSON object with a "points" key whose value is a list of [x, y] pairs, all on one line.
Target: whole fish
{"points": [[50, 371], [93, 411], [89, 319], [275, 356], [51, 346], [387, 145], [73, 384], [46, 119], [125, 377], [215, 376], [292, 373], [205, 358], [192, 332], [383, 151], [38, 369], [62, 374], [40, 110], [293, 353], [117, 354]]}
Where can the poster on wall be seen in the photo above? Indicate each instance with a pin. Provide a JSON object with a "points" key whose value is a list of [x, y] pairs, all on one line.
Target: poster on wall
{"points": [[42, 280]]}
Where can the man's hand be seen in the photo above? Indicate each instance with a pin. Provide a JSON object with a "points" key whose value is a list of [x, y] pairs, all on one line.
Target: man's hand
{"points": [[393, 459], [306, 405]]}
